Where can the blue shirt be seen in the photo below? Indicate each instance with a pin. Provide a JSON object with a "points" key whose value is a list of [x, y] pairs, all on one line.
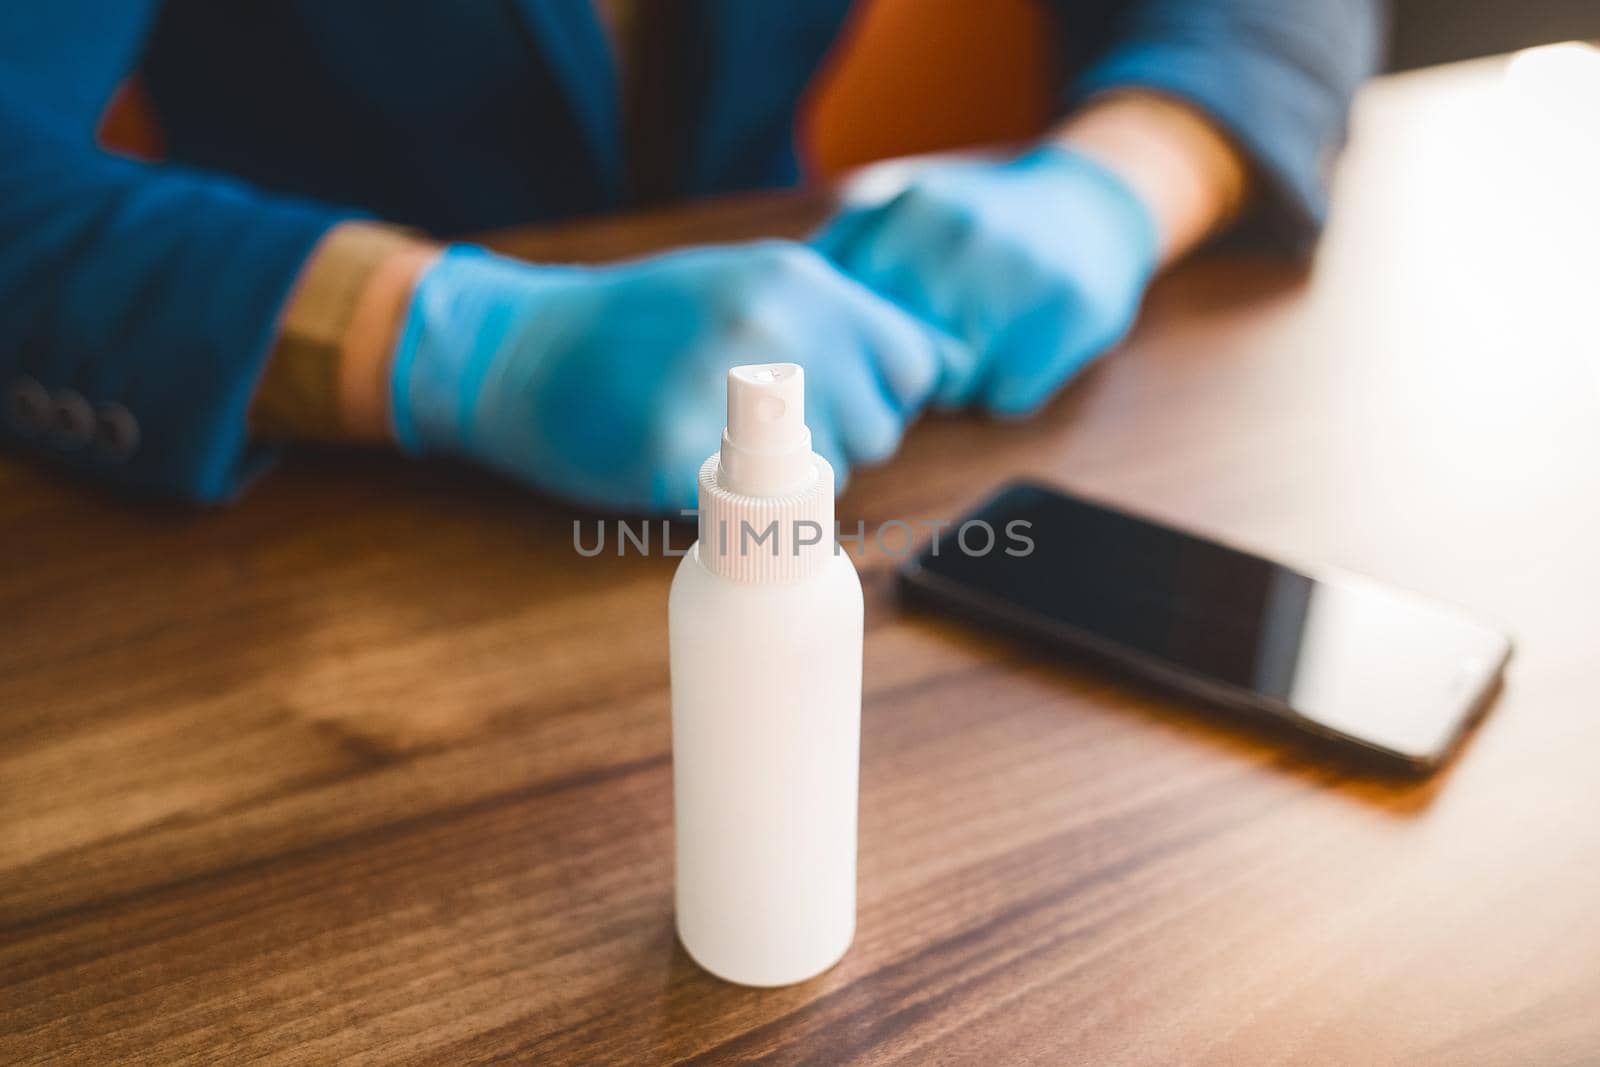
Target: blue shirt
{"points": [[140, 296]]}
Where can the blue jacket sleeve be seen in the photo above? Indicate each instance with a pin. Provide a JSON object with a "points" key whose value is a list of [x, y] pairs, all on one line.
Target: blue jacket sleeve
{"points": [[1277, 75], [137, 303]]}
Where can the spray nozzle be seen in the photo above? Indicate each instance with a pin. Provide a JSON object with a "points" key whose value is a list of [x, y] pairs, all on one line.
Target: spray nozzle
{"points": [[766, 448]]}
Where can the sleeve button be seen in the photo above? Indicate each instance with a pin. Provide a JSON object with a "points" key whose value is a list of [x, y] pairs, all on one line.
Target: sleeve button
{"points": [[72, 426], [116, 431], [27, 407]]}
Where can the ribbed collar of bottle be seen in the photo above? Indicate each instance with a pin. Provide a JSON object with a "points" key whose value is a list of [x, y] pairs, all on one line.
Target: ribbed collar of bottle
{"points": [[762, 540]]}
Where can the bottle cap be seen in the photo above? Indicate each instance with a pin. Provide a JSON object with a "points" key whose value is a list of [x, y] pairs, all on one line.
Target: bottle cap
{"points": [[766, 448], [766, 499]]}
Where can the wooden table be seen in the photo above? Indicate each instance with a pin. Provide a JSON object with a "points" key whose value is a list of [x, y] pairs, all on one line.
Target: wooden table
{"points": [[374, 768]]}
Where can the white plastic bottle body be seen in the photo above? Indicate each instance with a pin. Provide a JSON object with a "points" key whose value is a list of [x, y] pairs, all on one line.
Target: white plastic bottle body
{"points": [[766, 738]]}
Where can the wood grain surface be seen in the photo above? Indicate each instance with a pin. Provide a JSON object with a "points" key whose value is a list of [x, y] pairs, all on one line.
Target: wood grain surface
{"points": [[373, 768]]}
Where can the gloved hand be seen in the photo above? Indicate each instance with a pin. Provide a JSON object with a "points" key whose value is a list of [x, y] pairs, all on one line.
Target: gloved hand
{"points": [[608, 385], [1038, 264]]}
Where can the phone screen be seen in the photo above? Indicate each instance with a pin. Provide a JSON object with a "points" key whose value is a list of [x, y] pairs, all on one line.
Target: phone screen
{"points": [[1388, 669]]}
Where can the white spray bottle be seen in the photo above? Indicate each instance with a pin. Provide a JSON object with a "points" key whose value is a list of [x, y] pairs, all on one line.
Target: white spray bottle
{"points": [[765, 632]]}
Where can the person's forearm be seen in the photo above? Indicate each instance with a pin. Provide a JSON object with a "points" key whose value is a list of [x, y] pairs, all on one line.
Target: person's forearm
{"points": [[1190, 177], [328, 378]]}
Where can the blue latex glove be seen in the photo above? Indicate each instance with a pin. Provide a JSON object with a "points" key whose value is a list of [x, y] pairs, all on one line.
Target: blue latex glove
{"points": [[608, 385], [1037, 264]]}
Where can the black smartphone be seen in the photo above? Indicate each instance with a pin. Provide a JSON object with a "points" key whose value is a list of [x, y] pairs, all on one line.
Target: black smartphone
{"points": [[1344, 657]]}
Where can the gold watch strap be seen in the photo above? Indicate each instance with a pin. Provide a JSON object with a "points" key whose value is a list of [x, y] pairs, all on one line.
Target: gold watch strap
{"points": [[299, 393]]}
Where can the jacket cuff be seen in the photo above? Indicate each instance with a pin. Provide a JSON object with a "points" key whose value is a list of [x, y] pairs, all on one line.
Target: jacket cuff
{"points": [[194, 399], [1290, 127]]}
